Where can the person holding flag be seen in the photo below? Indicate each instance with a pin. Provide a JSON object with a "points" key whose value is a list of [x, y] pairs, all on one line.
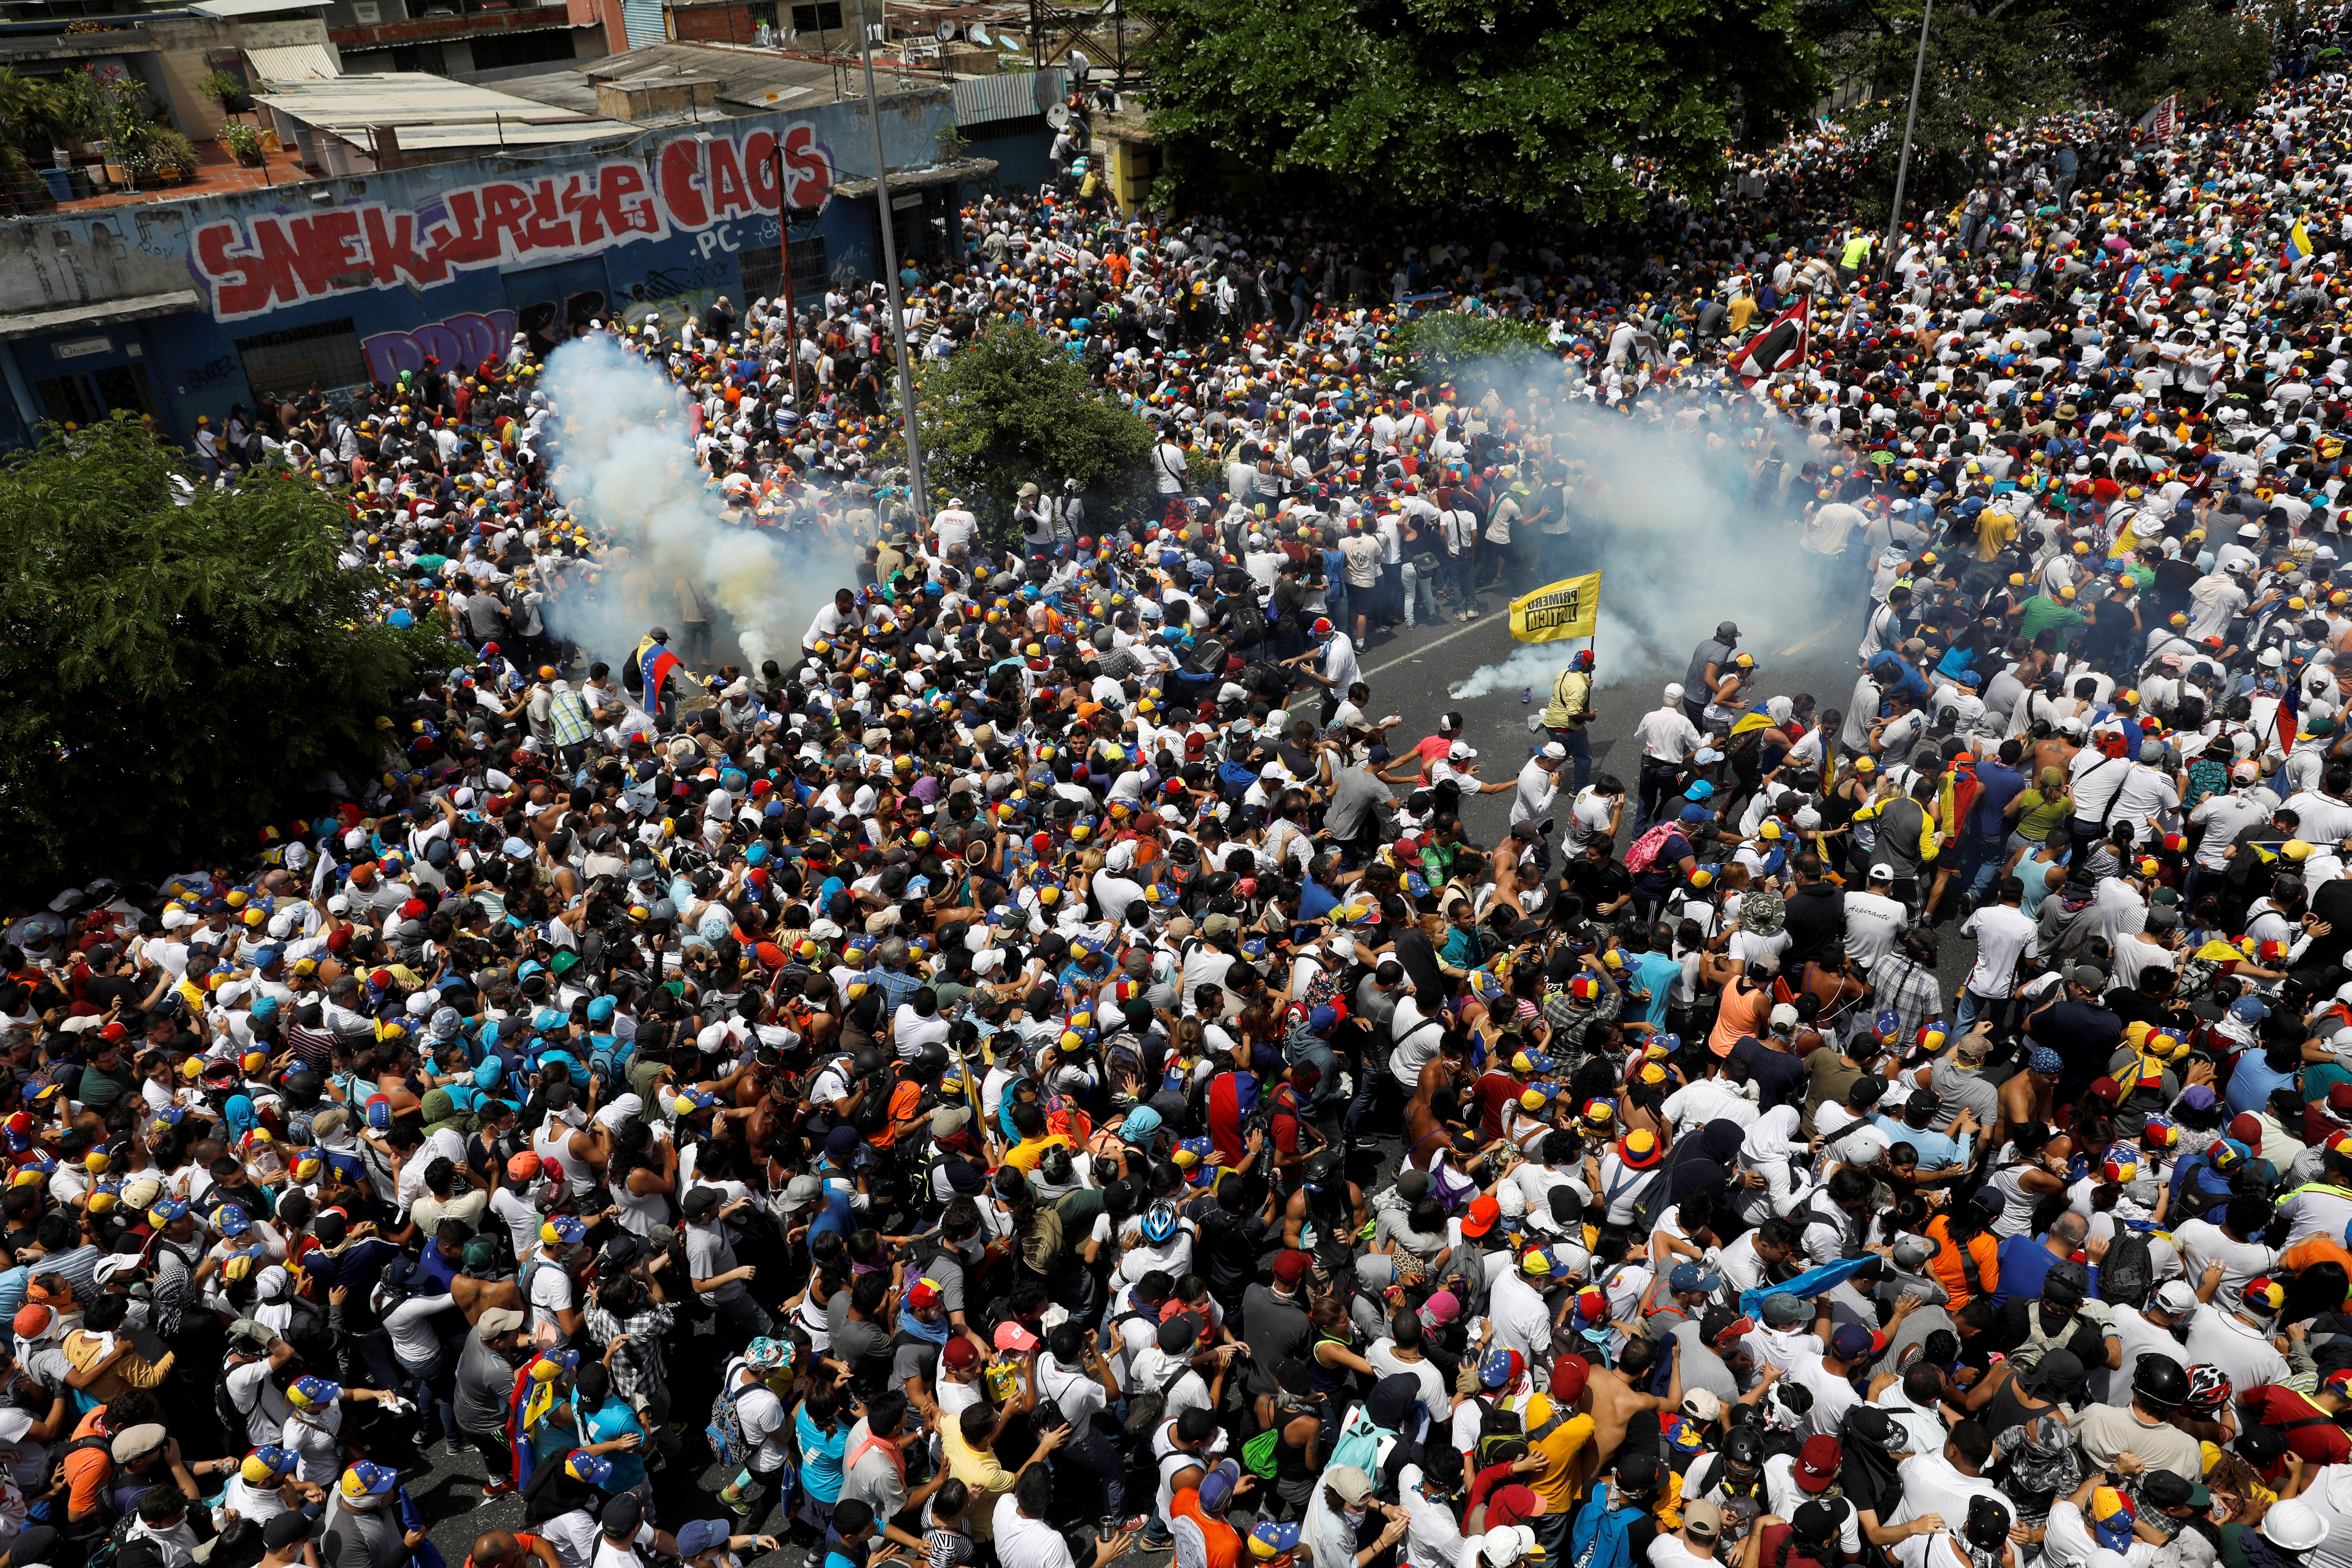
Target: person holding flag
{"points": [[655, 665]]}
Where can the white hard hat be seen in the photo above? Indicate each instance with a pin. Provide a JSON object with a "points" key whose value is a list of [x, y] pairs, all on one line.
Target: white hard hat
{"points": [[1507, 1544], [2291, 1526]]}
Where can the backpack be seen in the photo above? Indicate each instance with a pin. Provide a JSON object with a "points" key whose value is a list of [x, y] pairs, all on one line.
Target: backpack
{"points": [[2127, 1271], [1645, 852], [1358, 1443], [1599, 1537], [729, 1446], [1497, 1426], [1246, 619], [1147, 1410]]}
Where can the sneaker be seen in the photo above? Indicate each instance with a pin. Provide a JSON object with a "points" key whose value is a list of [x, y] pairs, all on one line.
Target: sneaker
{"points": [[497, 1489], [454, 1449]]}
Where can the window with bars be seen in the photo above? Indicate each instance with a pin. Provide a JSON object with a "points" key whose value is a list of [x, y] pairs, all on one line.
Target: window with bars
{"points": [[763, 271], [326, 356]]}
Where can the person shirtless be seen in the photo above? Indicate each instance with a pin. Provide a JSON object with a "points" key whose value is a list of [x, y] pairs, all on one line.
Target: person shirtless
{"points": [[1613, 1403]]}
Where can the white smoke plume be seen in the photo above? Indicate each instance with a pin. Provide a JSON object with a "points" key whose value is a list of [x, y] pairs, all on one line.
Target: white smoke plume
{"points": [[1672, 518], [624, 459]]}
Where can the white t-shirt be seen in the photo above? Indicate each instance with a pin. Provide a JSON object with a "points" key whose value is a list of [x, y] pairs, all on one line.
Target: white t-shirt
{"points": [[1025, 1543], [1933, 1484], [2234, 1346]]}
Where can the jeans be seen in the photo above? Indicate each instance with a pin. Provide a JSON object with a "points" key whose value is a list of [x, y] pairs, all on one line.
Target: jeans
{"points": [[1973, 1006], [1981, 856], [745, 1320], [1094, 1461], [1374, 1085], [1420, 592], [433, 1385], [1660, 782], [1578, 744]]}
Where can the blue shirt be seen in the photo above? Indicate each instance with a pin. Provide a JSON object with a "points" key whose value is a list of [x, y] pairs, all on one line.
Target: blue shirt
{"points": [[1656, 974], [612, 1419], [1936, 1149], [2250, 1085], [2024, 1264], [2000, 783]]}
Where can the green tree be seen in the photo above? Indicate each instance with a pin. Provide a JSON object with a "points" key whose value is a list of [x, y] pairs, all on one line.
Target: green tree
{"points": [[1990, 65], [1443, 340], [1530, 102], [177, 675], [2208, 57], [1012, 408]]}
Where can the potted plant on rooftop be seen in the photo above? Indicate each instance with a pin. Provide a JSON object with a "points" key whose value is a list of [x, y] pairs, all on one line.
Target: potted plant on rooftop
{"points": [[241, 143]]}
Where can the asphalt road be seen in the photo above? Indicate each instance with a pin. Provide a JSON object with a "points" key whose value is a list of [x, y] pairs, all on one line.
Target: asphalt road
{"points": [[1410, 673]]}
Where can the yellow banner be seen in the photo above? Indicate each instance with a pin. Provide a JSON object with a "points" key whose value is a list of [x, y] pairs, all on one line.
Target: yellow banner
{"points": [[1563, 609]]}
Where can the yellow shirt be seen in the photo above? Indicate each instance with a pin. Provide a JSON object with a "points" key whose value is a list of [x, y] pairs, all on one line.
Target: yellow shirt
{"points": [[1994, 531], [1023, 1156], [1742, 310], [1556, 1485], [985, 1478]]}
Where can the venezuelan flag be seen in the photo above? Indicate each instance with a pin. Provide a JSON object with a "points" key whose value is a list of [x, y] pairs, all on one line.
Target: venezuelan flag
{"points": [[654, 664], [2298, 243]]}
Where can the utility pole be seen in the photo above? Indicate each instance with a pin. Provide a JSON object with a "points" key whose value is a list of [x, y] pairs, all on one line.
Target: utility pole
{"points": [[1910, 124], [890, 279]]}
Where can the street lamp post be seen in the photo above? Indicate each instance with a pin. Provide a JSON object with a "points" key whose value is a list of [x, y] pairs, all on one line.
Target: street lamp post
{"points": [[891, 276], [1910, 124]]}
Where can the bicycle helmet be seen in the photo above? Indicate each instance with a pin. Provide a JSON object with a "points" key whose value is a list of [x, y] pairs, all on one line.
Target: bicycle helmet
{"points": [[2160, 1383], [2208, 1387], [1743, 1446], [1158, 1223], [1321, 1169], [866, 1063]]}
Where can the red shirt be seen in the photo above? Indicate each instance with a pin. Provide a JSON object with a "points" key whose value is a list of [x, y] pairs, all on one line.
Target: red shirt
{"points": [[1494, 1091], [2310, 1431]]}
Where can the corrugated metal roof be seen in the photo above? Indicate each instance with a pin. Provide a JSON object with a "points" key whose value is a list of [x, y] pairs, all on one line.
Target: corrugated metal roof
{"points": [[222, 9], [432, 111], [295, 62], [981, 99]]}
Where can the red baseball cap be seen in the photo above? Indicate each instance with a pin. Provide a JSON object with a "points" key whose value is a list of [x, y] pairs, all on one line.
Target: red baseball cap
{"points": [[1484, 1212], [1817, 1464]]}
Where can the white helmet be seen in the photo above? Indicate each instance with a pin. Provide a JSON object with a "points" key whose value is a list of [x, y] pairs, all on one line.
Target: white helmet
{"points": [[2291, 1526], [1512, 1544]]}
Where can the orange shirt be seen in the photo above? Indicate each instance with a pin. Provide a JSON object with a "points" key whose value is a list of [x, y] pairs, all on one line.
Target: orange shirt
{"points": [[2314, 1250], [1948, 1270], [89, 1471], [1225, 1541]]}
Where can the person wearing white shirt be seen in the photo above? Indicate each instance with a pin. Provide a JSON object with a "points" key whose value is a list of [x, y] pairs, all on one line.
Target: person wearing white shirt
{"points": [[1943, 1483], [2006, 936], [1874, 920], [2236, 1343], [2069, 1541], [2230, 1243]]}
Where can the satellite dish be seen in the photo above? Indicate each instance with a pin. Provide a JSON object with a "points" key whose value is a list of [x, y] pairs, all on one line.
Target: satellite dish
{"points": [[1058, 116], [944, 32], [980, 35]]}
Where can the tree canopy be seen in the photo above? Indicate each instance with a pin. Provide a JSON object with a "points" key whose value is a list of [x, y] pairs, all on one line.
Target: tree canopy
{"points": [[1527, 102], [177, 675], [1010, 408], [1994, 63]]}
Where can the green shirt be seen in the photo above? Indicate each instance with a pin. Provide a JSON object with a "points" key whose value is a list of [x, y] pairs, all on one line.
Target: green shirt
{"points": [[2042, 613], [2038, 813]]}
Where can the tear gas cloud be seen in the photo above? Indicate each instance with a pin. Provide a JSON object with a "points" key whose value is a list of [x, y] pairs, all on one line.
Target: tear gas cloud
{"points": [[622, 459], [1672, 517]]}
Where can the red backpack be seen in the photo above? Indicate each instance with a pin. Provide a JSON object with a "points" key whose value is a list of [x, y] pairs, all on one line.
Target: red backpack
{"points": [[1645, 852]]}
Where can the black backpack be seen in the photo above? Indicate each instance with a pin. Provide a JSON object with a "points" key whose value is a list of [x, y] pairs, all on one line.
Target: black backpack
{"points": [[1497, 1426], [2127, 1271], [1244, 619]]}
